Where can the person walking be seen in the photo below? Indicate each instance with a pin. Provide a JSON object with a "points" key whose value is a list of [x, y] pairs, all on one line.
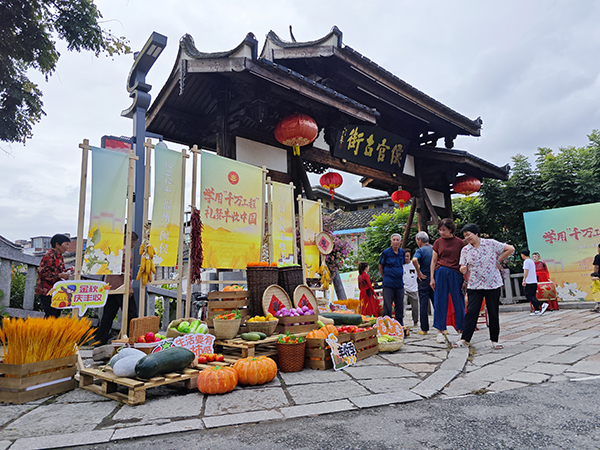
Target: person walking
{"points": [[51, 270], [480, 263], [530, 284], [391, 264], [446, 279], [422, 262], [411, 287]]}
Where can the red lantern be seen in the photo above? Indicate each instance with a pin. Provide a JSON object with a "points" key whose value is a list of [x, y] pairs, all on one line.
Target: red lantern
{"points": [[466, 185], [401, 197], [296, 130], [331, 181]]}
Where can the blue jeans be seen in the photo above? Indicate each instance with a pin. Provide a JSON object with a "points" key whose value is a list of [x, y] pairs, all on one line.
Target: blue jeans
{"points": [[448, 282], [395, 296], [425, 294]]}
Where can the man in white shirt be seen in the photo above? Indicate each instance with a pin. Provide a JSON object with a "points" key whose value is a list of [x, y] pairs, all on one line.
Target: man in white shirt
{"points": [[530, 284], [411, 286]]}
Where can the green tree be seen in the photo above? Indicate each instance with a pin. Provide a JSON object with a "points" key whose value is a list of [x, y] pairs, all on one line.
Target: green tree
{"points": [[29, 31]]}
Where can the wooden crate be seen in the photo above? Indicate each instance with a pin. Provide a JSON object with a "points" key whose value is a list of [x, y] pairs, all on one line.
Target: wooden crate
{"points": [[22, 383], [220, 302], [366, 343], [136, 388], [317, 355], [292, 324]]}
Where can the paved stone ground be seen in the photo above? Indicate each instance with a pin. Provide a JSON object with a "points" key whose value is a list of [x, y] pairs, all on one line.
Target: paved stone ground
{"points": [[556, 347]]}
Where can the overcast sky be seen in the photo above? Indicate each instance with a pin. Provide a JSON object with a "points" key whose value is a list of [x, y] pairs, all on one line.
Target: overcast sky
{"points": [[530, 69]]}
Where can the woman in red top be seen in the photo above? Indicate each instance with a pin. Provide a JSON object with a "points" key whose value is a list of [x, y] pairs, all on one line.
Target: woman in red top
{"points": [[51, 270], [368, 305], [446, 279], [541, 269]]}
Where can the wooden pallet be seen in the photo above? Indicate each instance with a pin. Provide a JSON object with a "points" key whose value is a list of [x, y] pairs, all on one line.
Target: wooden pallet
{"points": [[136, 388], [317, 355], [264, 347]]}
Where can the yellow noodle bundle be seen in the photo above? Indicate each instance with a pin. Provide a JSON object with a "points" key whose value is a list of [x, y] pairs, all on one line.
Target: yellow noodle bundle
{"points": [[34, 340]]}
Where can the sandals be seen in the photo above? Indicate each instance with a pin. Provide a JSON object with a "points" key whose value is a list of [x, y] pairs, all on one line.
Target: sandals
{"points": [[460, 344], [497, 346]]}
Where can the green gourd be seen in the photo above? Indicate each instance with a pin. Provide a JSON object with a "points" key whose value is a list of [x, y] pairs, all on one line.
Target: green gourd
{"points": [[173, 359], [344, 319]]}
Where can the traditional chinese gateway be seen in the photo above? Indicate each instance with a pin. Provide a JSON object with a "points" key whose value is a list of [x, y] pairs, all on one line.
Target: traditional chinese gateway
{"points": [[370, 122]]}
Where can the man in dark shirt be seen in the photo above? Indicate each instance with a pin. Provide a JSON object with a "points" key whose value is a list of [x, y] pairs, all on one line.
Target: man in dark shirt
{"points": [[391, 265], [422, 262]]}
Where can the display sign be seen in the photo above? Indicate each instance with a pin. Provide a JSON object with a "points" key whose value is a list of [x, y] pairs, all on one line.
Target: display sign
{"points": [[311, 221], [342, 355], [567, 241], [198, 343], [166, 212], [283, 233], [104, 249], [389, 326], [79, 295], [232, 209], [372, 147], [350, 283]]}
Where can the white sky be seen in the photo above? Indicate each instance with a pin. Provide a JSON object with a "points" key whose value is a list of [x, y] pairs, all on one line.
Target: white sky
{"points": [[529, 69]]}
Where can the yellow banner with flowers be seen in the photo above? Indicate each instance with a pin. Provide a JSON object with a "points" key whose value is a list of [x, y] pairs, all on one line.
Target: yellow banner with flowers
{"points": [[283, 231], [232, 211], [311, 226]]}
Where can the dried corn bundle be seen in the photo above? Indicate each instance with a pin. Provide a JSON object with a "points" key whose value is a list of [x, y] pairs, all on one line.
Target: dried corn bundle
{"points": [[35, 340]]}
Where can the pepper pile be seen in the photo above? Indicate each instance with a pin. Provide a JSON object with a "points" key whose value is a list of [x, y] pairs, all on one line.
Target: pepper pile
{"points": [[289, 338], [231, 316], [196, 254]]}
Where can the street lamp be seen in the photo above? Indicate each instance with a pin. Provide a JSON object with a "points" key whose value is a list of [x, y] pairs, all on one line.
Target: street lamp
{"points": [[138, 90]]}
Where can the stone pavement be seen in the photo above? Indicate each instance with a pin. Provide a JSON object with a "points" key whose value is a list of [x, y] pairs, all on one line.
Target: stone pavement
{"points": [[556, 347]]}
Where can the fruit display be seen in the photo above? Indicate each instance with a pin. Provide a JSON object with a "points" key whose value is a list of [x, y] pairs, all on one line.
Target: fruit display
{"points": [[295, 312], [255, 370], [150, 337], [147, 268], [325, 275], [289, 338], [233, 287], [217, 380], [210, 357], [386, 338], [253, 336], [230, 316], [268, 318], [323, 332]]}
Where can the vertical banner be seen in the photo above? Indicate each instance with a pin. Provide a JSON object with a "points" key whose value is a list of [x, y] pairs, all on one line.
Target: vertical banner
{"points": [[283, 231], [232, 208], [567, 241], [311, 226], [166, 210], [104, 250]]}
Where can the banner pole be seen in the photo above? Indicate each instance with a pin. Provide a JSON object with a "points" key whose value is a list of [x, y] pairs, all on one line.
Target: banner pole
{"points": [[184, 156], [149, 146], [188, 304], [294, 228], [301, 217], [269, 187], [85, 147]]}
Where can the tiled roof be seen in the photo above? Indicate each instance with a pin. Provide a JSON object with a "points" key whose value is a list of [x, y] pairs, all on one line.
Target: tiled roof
{"points": [[356, 219]]}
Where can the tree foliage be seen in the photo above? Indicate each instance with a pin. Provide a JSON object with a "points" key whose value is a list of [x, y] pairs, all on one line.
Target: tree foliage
{"points": [[29, 31]]}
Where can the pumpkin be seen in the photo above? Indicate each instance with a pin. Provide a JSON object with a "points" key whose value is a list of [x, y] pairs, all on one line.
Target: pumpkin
{"points": [[317, 334], [217, 380], [328, 329], [255, 370]]}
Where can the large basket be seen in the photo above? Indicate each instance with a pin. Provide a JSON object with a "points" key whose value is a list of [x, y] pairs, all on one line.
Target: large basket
{"points": [[142, 325], [226, 329], [259, 278], [289, 278], [391, 346], [290, 357], [263, 327]]}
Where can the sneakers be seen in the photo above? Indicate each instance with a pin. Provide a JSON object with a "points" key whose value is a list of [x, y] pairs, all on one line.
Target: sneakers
{"points": [[441, 339], [422, 332], [544, 308], [536, 313]]}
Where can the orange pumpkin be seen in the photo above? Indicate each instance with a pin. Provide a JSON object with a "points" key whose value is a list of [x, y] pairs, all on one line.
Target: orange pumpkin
{"points": [[217, 380], [317, 334], [328, 329], [255, 370]]}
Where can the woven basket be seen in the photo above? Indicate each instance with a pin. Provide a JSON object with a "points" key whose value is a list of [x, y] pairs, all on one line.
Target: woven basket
{"points": [[258, 279], [263, 327], [142, 325], [226, 329], [289, 278], [391, 346], [290, 357]]}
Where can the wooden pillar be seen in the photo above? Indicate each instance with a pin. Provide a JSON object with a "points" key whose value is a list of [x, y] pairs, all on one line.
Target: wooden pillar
{"points": [[409, 222], [225, 140], [422, 214]]}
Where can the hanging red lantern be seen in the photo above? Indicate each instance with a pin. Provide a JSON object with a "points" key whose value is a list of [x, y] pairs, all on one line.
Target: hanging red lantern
{"points": [[296, 130], [331, 181], [401, 197], [466, 185]]}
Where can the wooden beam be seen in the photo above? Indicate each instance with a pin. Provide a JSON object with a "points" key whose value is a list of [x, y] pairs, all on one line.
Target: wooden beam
{"points": [[430, 208], [411, 215]]}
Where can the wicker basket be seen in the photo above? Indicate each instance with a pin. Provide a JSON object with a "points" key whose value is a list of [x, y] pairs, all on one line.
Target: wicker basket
{"points": [[263, 327], [142, 325], [290, 357], [259, 278], [289, 278], [226, 329], [391, 346]]}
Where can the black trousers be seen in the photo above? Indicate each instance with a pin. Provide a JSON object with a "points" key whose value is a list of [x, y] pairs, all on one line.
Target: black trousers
{"points": [[425, 296], [530, 294], [492, 302], [46, 301], [114, 302]]}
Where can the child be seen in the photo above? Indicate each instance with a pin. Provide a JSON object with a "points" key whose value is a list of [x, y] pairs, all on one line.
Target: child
{"points": [[369, 305], [596, 291], [530, 284], [411, 288]]}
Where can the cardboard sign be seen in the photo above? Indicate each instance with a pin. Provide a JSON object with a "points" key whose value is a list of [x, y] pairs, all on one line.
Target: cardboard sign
{"points": [[342, 355], [198, 343], [389, 326], [79, 294]]}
